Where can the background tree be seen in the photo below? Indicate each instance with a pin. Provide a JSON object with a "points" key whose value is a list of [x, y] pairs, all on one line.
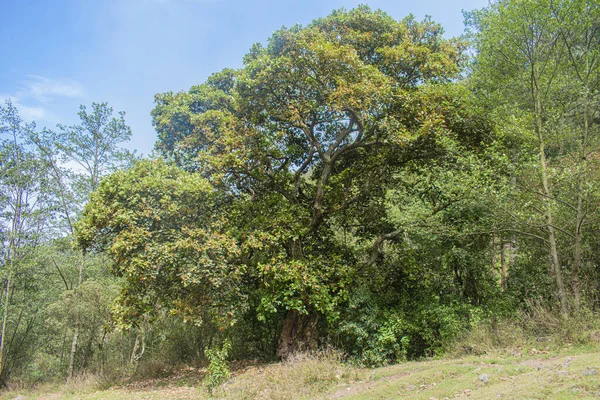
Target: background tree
{"points": [[537, 69], [167, 236], [94, 144], [26, 208]]}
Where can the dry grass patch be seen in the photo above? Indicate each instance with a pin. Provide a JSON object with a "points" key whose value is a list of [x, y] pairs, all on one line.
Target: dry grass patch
{"points": [[302, 376]]}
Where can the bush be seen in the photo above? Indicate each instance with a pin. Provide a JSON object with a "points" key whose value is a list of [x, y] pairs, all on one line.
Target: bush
{"points": [[375, 336], [218, 367], [537, 326]]}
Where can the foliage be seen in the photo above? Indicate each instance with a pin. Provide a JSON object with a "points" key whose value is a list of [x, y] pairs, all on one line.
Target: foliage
{"points": [[537, 72], [218, 368], [360, 182], [304, 142], [167, 242], [94, 144]]}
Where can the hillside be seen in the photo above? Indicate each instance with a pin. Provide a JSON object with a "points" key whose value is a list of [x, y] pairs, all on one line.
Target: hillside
{"points": [[524, 374]]}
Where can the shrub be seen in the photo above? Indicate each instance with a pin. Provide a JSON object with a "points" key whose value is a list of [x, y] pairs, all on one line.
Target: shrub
{"points": [[218, 367]]}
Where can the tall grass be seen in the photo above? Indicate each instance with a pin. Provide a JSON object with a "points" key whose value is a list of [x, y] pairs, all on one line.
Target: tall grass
{"points": [[303, 375], [536, 328]]}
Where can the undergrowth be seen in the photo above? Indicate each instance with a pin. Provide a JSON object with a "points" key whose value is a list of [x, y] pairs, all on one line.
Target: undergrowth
{"points": [[300, 376], [535, 329]]}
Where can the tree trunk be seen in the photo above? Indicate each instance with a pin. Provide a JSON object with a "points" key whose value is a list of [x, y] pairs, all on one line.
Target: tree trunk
{"points": [[72, 356], [299, 333], [577, 253], [503, 266], [580, 213], [139, 347], [4, 323], [74, 343], [553, 248]]}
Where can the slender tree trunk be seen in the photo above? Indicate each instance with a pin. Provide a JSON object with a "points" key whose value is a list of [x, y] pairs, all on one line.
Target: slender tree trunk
{"points": [[136, 345], [12, 254], [503, 262], [4, 324], [580, 217], [579, 220], [139, 347], [72, 355], [494, 251], [577, 253], [553, 248], [75, 339]]}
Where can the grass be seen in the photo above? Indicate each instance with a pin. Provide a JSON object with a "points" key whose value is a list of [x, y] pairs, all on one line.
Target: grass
{"points": [[570, 373], [574, 375]]}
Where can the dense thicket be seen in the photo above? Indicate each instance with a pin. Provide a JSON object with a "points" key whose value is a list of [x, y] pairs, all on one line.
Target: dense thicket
{"points": [[360, 182]]}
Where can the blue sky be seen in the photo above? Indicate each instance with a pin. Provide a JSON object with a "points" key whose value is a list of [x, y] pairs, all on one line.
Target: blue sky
{"points": [[61, 53]]}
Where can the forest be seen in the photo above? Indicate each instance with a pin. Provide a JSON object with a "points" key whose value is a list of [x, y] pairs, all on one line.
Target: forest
{"points": [[361, 183]]}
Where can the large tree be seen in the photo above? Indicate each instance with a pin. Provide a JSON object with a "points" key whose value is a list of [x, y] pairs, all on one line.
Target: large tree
{"points": [[304, 139]]}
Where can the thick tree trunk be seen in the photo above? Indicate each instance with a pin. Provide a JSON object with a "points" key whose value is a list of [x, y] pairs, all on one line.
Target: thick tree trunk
{"points": [[299, 333], [318, 211]]}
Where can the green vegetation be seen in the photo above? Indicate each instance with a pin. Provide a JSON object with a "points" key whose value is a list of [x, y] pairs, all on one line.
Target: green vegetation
{"points": [[360, 184], [566, 375]]}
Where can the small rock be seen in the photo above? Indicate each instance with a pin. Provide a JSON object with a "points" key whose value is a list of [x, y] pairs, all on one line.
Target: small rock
{"points": [[468, 392], [590, 371], [499, 395], [410, 387], [484, 378]]}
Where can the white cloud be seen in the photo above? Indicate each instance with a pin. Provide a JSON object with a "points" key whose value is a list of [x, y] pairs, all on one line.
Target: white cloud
{"points": [[32, 113], [44, 89], [28, 113], [35, 94]]}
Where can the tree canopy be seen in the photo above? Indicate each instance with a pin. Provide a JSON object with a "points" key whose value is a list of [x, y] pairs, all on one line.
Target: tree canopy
{"points": [[305, 141]]}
